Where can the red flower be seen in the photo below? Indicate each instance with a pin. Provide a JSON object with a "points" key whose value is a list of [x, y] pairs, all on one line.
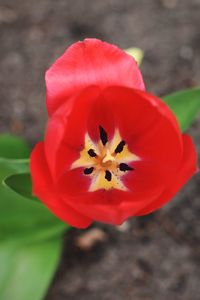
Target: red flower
{"points": [[111, 150]]}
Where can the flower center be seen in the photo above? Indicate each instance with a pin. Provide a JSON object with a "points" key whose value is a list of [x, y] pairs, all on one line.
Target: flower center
{"points": [[106, 162], [107, 159]]}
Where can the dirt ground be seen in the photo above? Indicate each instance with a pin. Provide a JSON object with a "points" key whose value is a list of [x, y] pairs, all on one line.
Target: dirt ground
{"points": [[151, 258]]}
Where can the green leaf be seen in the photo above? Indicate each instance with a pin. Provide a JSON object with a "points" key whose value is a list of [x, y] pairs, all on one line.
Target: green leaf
{"points": [[185, 105], [13, 166], [27, 269], [136, 53], [13, 147], [30, 236], [21, 184], [20, 216]]}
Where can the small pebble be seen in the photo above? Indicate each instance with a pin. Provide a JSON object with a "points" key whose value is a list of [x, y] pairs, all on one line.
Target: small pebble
{"points": [[170, 4], [123, 227], [88, 239]]}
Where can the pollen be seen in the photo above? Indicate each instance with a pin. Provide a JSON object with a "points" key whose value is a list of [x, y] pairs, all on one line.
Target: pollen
{"points": [[105, 162]]}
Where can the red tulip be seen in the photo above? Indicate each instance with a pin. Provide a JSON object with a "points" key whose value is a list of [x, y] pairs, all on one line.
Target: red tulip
{"points": [[111, 149]]}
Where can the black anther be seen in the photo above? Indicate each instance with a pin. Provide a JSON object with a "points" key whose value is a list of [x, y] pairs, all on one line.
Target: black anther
{"points": [[124, 167], [88, 171], [120, 147], [103, 135], [108, 175], [92, 153]]}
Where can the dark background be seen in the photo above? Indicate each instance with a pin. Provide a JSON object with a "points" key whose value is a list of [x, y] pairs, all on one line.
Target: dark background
{"points": [[151, 258]]}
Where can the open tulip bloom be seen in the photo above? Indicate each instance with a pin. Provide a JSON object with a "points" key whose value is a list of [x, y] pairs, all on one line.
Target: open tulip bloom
{"points": [[111, 149]]}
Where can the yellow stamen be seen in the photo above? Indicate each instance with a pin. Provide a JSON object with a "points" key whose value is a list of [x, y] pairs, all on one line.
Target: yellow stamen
{"points": [[105, 162]]}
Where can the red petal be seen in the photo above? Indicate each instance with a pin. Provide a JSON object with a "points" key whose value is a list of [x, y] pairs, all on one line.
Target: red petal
{"points": [[112, 212], [187, 168], [119, 212], [107, 206], [147, 125], [44, 189], [91, 62], [66, 130]]}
